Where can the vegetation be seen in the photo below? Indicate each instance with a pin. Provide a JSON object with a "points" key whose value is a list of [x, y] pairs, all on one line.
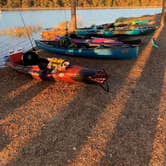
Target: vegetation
{"points": [[20, 31], [80, 3], [59, 30]]}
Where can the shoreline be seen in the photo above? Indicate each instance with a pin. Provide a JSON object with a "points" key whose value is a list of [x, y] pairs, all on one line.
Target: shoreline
{"points": [[81, 124], [76, 124], [78, 8]]}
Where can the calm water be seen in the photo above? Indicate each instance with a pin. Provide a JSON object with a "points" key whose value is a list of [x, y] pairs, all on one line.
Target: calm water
{"points": [[50, 18]]}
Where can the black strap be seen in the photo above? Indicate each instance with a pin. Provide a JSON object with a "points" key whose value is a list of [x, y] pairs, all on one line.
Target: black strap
{"points": [[105, 86]]}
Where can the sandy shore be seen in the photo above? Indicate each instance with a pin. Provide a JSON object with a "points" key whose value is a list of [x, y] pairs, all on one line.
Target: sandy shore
{"points": [[60, 124]]}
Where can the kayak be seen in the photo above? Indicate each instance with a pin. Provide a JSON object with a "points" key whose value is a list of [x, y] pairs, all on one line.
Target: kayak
{"points": [[88, 51], [130, 19], [127, 31], [133, 22], [97, 40], [123, 22], [105, 41], [53, 69]]}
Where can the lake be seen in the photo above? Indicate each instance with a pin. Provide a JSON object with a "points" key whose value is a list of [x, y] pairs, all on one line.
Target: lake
{"points": [[50, 18]]}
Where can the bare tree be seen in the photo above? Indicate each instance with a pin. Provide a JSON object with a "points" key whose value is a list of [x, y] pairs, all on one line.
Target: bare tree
{"points": [[73, 25]]}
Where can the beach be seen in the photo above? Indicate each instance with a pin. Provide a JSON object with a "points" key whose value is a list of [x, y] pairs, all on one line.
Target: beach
{"points": [[64, 124]]}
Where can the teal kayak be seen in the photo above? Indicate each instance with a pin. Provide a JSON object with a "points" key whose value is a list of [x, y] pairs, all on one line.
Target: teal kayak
{"points": [[103, 52], [142, 30], [132, 22]]}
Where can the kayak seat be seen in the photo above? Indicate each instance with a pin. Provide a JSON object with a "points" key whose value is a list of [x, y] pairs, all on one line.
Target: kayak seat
{"points": [[30, 58]]}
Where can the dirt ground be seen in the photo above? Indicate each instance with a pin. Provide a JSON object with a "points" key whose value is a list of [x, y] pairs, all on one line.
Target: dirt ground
{"points": [[62, 124]]}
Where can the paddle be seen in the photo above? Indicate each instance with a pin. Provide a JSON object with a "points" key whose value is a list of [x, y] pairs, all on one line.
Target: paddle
{"points": [[131, 42], [107, 41]]}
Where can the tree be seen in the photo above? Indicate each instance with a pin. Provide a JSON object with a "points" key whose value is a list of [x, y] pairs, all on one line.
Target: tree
{"points": [[3, 3], [13, 3], [81, 3], [73, 25], [164, 12], [25, 3]]}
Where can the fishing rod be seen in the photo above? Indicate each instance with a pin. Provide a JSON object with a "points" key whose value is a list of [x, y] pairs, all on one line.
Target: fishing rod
{"points": [[28, 35]]}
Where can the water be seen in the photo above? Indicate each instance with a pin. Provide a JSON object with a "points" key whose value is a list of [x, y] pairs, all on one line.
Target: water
{"points": [[50, 18]]}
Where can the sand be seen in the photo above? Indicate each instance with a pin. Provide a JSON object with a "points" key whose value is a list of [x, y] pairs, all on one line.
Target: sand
{"points": [[62, 124]]}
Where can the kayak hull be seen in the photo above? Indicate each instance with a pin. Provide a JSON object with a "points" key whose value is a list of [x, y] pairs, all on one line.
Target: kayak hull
{"points": [[115, 52], [71, 73]]}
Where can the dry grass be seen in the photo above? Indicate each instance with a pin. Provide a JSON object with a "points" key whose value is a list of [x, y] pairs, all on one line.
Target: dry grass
{"points": [[59, 30], [20, 31]]}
